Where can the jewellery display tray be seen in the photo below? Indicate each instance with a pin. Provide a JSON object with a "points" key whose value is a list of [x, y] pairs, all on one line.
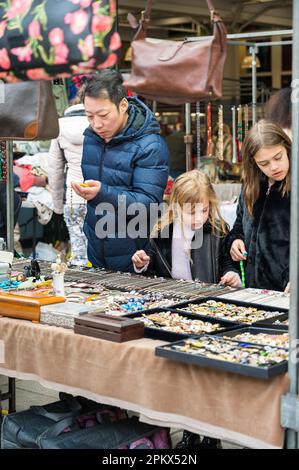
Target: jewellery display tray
{"points": [[253, 331], [108, 327], [176, 308], [163, 335], [270, 323], [225, 366]]}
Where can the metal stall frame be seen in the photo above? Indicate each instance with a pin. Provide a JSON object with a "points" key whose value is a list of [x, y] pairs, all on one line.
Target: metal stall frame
{"points": [[290, 402]]}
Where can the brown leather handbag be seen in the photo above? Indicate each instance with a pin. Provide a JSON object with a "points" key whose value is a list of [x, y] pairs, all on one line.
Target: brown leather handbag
{"points": [[28, 111], [177, 72]]}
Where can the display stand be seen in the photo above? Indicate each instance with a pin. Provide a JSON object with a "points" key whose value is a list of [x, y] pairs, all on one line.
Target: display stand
{"points": [[238, 40], [10, 198], [290, 402], [10, 395]]}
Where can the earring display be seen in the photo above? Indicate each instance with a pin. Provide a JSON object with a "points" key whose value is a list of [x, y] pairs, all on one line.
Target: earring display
{"points": [[198, 148], [234, 137], [282, 322], [230, 312], [272, 338], [240, 132], [220, 133], [246, 120], [164, 324], [209, 131]]}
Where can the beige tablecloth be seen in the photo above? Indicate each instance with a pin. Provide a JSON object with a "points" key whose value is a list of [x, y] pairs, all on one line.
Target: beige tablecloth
{"points": [[224, 405]]}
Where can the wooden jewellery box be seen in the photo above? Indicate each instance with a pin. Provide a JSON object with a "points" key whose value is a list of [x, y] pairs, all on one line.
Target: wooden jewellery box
{"points": [[109, 327], [26, 306]]}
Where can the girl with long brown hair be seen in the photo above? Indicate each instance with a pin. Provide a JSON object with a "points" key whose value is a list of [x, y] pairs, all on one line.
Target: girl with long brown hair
{"points": [[261, 233], [188, 240]]}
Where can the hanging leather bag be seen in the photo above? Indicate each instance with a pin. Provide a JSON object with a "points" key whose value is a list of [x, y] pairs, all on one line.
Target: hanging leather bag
{"points": [[28, 111], [43, 39], [177, 72]]}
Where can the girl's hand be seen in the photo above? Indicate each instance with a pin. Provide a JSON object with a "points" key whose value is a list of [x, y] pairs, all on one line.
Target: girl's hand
{"points": [[140, 259], [288, 288], [238, 250], [231, 279], [88, 190]]}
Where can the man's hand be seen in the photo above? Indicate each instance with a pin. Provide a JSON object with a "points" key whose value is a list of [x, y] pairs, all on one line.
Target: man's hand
{"points": [[140, 259], [231, 279], [87, 190], [288, 288], [238, 250]]}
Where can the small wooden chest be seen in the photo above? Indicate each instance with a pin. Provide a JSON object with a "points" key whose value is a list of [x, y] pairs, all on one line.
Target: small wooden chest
{"points": [[109, 327]]}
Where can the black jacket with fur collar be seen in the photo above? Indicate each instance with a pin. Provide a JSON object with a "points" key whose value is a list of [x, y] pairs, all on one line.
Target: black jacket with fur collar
{"points": [[267, 238], [209, 261]]}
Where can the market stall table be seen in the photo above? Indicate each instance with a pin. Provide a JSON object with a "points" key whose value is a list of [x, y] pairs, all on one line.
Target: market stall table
{"points": [[208, 402]]}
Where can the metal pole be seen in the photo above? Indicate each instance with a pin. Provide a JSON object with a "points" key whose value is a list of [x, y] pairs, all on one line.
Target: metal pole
{"points": [[188, 137], [234, 157], [273, 43], [9, 198], [292, 436], [117, 30], [253, 51], [258, 34]]}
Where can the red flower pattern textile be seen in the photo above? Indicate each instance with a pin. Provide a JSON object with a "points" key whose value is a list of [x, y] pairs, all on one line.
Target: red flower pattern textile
{"points": [[23, 53], [73, 35], [86, 46], [4, 59], [3, 25], [56, 37], [112, 7], [18, 7], [83, 3], [37, 74], [115, 42], [34, 30], [112, 59], [61, 54], [77, 21], [101, 24]]}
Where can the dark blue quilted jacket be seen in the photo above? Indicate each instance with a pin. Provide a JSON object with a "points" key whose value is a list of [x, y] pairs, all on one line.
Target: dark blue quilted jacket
{"points": [[133, 168]]}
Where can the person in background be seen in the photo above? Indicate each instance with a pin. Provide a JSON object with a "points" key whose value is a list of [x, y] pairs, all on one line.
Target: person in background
{"points": [[278, 109], [65, 156], [125, 162], [261, 233], [3, 209]]}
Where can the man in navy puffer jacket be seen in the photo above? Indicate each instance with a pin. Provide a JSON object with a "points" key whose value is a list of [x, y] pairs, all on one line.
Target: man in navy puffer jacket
{"points": [[125, 161]]}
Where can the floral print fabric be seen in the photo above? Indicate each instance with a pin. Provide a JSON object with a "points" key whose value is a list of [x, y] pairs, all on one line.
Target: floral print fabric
{"points": [[43, 39]]}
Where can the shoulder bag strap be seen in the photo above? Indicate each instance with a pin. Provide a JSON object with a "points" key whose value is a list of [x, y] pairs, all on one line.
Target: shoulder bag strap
{"points": [[146, 16]]}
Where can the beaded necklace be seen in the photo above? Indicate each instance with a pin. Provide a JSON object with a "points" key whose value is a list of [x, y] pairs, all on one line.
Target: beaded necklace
{"points": [[209, 129], [220, 132], [3, 162]]}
